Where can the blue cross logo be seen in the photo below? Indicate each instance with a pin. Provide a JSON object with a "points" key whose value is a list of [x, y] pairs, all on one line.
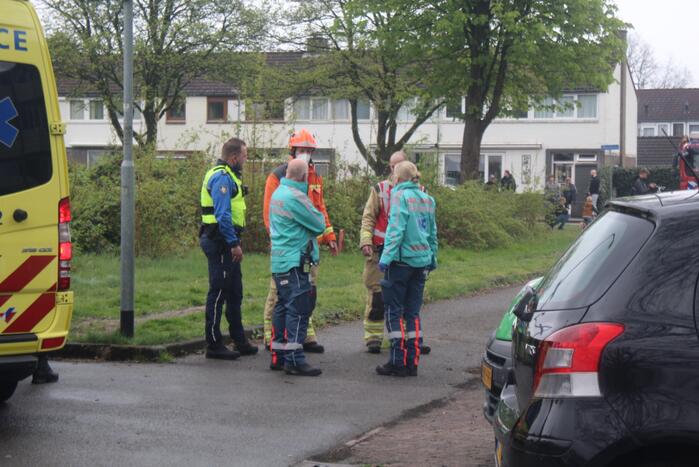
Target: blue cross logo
{"points": [[422, 223], [8, 132]]}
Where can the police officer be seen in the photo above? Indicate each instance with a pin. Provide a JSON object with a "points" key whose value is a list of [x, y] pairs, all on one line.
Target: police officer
{"points": [[409, 253], [223, 220], [371, 241], [294, 225]]}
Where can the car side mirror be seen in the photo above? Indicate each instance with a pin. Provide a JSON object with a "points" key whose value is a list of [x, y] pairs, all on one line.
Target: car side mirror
{"points": [[521, 311]]}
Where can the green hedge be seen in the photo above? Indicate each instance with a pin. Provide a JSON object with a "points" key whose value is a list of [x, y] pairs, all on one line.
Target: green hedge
{"points": [[168, 215]]}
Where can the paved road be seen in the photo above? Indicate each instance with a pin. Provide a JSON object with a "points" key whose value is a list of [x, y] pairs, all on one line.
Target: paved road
{"points": [[201, 412]]}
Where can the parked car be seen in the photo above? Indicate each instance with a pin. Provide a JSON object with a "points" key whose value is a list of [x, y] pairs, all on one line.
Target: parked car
{"points": [[497, 359], [606, 350]]}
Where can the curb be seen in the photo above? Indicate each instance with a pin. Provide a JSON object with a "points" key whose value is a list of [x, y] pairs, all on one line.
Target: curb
{"points": [[143, 353]]}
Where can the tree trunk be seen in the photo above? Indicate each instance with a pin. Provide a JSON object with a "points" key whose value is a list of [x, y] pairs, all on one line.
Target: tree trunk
{"points": [[471, 149]]}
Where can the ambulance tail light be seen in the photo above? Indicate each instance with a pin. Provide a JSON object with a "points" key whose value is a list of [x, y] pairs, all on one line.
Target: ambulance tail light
{"points": [[568, 360], [65, 246]]}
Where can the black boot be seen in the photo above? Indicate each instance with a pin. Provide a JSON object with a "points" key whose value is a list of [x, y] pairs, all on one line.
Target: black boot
{"points": [[246, 348], [412, 370], [313, 347], [303, 369], [221, 352], [44, 374], [389, 369], [373, 347], [278, 366], [425, 349]]}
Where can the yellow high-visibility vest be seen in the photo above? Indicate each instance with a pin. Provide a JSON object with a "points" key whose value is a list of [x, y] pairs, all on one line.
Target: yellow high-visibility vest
{"points": [[238, 206]]}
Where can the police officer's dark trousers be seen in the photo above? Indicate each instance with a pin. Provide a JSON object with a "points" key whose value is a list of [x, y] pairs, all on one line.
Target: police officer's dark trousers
{"points": [[225, 285], [290, 317], [402, 289]]}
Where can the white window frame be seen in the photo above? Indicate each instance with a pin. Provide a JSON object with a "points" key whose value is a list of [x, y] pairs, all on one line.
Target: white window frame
{"points": [[648, 127], [689, 127], [667, 129], [80, 102], [586, 157], [684, 129]]}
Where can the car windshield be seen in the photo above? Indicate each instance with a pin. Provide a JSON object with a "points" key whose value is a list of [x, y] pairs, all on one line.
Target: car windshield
{"points": [[593, 262]]}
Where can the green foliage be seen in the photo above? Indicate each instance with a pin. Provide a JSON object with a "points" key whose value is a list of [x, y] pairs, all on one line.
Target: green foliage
{"points": [[666, 177], [345, 200], [167, 204], [472, 217]]}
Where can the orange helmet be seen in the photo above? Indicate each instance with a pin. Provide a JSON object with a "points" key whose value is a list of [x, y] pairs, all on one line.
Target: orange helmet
{"points": [[302, 139]]}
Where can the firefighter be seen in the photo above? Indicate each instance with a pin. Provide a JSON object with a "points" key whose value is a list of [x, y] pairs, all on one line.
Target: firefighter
{"points": [[301, 146], [294, 225], [409, 253], [373, 232], [223, 220]]}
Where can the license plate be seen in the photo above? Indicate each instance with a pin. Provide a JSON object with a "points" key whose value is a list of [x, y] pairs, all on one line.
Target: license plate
{"points": [[498, 454], [487, 376]]}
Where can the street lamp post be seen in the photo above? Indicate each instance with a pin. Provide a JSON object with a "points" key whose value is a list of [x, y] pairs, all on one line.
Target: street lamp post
{"points": [[127, 183]]}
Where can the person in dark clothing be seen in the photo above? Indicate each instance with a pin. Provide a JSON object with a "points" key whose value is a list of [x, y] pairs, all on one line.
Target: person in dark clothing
{"points": [[593, 189], [492, 183], [641, 185], [569, 193], [507, 182], [561, 214]]}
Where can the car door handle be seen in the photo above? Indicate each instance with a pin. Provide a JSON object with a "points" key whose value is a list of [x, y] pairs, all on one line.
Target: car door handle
{"points": [[20, 215]]}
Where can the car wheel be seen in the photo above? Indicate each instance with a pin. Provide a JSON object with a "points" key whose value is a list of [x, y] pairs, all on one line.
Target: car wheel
{"points": [[6, 390]]}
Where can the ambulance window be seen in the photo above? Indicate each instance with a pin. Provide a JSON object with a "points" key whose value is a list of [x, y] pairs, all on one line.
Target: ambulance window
{"points": [[25, 151]]}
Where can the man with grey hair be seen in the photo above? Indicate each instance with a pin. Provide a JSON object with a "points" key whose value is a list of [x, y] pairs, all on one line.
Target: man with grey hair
{"points": [[294, 227]]}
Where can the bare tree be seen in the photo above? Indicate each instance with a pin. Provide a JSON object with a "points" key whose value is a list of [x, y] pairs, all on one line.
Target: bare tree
{"points": [[647, 73]]}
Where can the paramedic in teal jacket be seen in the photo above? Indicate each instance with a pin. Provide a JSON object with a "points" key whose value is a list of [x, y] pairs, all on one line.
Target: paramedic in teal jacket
{"points": [[409, 253], [294, 226]]}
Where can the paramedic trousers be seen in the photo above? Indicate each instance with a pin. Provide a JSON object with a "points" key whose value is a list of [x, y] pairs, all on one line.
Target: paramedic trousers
{"points": [[402, 288], [271, 302], [290, 317], [225, 285]]}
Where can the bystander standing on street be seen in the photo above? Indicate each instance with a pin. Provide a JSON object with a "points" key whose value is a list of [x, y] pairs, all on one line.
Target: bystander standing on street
{"points": [[507, 182], [593, 189], [410, 252], [641, 186]]}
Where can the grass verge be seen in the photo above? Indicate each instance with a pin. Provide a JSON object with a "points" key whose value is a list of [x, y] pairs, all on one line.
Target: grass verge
{"points": [[177, 283]]}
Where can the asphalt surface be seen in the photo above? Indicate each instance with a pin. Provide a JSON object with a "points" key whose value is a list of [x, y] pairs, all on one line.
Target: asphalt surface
{"points": [[202, 412]]}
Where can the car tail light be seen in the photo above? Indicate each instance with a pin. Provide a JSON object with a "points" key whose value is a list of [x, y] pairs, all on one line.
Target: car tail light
{"points": [[568, 360], [65, 246]]}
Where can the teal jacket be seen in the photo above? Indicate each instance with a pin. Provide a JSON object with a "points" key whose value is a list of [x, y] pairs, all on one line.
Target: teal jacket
{"points": [[411, 236], [293, 222]]}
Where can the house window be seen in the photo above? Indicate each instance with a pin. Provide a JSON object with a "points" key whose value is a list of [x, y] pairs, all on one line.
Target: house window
{"points": [[452, 169], [520, 114], [77, 110], [648, 131], [96, 110], [319, 109], [405, 113], [268, 110], [454, 111], [543, 111], [322, 160], [678, 129], [587, 157], [567, 109], [363, 109], [693, 128], [302, 109], [314, 108], [177, 113], [663, 127], [216, 109], [587, 106], [341, 109]]}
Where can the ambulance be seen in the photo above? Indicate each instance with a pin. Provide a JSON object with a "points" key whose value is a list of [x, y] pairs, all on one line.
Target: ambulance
{"points": [[36, 304]]}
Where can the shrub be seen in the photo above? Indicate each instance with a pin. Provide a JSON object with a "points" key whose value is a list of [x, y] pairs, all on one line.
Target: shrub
{"points": [[167, 204]]}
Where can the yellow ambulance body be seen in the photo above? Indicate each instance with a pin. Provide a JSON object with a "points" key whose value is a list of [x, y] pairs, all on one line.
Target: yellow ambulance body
{"points": [[35, 249]]}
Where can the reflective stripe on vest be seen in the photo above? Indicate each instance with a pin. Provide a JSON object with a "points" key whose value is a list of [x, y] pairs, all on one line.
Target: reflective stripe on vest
{"points": [[384, 192], [238, 206]]}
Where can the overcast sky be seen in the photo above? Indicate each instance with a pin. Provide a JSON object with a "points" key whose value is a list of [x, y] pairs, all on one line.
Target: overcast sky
{"points": [[669, 26]]}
